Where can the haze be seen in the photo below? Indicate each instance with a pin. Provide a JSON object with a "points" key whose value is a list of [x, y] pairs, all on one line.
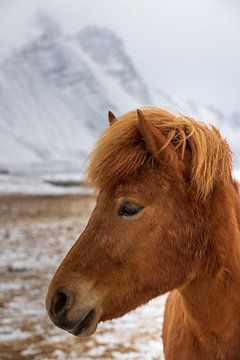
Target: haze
{"points": [[189, 49]]}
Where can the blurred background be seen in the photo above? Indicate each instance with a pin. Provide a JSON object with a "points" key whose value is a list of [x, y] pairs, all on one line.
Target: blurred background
{"points": [[63, 65]]}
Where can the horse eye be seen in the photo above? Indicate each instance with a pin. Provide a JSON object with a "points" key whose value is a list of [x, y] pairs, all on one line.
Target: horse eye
{"points": [[129, 209]]}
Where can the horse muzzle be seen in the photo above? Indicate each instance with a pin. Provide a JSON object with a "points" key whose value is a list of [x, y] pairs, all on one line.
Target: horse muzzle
{"points": [[65, 312]]}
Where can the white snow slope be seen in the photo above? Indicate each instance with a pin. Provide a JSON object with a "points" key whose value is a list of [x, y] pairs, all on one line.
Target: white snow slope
{"points": [[55, 91]]}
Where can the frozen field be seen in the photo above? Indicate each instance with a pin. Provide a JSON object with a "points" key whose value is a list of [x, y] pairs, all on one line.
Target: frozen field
{"points": [[35, 234]]}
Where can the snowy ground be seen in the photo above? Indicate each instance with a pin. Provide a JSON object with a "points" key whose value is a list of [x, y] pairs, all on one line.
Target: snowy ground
{"points": [[35, 233], [43, 179]]}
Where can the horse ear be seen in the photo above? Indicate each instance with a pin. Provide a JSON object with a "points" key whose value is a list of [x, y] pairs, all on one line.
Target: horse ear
{"points": [[111, 118], [157, 144]]}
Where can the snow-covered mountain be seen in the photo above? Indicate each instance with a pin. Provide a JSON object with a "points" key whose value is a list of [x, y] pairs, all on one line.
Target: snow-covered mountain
{"points": [[55, 91]]}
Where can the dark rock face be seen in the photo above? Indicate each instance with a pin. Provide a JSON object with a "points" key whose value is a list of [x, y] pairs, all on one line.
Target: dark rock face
{"points": [[107, 49]]}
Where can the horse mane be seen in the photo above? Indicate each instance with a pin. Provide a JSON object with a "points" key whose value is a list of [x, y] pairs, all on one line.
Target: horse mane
{"points": [[120, 152]]}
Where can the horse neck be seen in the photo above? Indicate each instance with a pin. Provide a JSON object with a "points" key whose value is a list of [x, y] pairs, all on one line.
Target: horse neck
{"points": [[211, 300]]}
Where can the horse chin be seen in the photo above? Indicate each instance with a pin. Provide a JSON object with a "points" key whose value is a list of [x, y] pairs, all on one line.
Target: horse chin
{"points": [[87, 326], [86, 332]]}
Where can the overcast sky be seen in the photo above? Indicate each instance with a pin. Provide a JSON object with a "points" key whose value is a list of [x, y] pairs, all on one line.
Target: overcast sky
{"points": [[188, 48]]}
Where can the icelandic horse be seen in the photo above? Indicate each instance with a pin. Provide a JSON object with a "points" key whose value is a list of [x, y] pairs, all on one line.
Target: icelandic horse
{"points": [[166, 220]]}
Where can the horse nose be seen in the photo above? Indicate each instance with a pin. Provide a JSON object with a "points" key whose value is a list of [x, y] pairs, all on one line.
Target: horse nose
{"points": [[60, 304]]}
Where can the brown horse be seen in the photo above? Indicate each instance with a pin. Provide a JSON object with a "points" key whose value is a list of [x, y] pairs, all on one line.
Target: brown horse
{"points": [[167, 218]]}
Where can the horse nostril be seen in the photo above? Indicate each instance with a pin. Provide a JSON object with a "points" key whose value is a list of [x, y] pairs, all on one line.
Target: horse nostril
{"points": [[59, 303]]}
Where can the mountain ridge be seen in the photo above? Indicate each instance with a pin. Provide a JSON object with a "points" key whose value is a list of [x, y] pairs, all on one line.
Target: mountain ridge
{"points": [[56, 89]]}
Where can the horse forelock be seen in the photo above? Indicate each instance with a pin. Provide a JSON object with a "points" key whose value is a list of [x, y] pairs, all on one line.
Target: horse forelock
{"points": [[120, 151]]}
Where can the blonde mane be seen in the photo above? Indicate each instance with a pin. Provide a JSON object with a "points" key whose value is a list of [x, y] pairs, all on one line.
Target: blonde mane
{"points": [[120, 152]]}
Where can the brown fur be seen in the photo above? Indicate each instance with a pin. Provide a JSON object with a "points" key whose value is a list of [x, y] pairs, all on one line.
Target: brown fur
{"points": [[185, 241]]}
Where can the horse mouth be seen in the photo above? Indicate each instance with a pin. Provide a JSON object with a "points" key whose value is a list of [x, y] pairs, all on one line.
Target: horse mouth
{"points": [[84, 324]]}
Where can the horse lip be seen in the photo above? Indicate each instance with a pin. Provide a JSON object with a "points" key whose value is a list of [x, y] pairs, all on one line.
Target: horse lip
{"points": [[83, 324]]}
